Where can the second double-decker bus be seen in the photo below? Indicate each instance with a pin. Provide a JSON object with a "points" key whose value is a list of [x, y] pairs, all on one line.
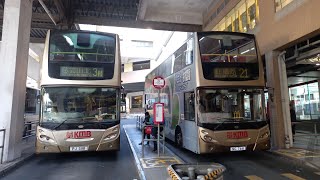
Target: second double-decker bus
{"points": [[214, 94], [80, 92]]}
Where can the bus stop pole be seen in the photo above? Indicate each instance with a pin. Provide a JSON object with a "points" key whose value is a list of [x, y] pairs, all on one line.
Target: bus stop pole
{"points": [[158, 127]]}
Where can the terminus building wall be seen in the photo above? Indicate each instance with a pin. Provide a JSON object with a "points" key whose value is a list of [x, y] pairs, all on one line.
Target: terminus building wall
{"points": [[278, 25]]}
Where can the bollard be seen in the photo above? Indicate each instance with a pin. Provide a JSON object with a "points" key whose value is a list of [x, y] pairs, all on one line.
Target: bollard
{"points": [[191, 173]]}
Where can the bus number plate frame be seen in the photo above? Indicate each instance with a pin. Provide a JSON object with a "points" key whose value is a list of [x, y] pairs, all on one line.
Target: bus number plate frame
{"points": [[241, 148], [79, 148]]}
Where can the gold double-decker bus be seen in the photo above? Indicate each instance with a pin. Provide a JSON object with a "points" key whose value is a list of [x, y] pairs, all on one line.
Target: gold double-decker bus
{"points": [[214, 94], [80, 92]]}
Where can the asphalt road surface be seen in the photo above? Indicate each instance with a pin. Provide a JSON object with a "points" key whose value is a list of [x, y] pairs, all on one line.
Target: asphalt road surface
{"points": [[79, 166], [251, 165]]}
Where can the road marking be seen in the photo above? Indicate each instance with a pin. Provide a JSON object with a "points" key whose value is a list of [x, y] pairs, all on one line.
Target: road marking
{"points": [[140, 169], [292, 176], [253, 177], [158, 162], [298, 153]]}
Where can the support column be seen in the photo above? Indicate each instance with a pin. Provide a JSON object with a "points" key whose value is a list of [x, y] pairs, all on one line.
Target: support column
{"points": [[13, 73], [280, 123]]}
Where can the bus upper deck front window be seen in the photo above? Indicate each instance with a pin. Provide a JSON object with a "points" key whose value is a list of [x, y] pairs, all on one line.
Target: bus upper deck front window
{"points": [[82, 47], [228, 57]]}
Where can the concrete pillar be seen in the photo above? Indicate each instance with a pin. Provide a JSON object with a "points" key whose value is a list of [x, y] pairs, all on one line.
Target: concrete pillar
{"points": [[13, 73], [278, 101]]}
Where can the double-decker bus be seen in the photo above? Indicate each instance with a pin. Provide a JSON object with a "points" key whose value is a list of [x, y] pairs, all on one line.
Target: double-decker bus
{"points": [[80, 92], [214, 94]]}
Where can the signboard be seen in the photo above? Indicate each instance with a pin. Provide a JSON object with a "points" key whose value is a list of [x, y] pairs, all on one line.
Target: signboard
{"points": [[158, 112], [158, 82], [232, 72], [67, 71]]}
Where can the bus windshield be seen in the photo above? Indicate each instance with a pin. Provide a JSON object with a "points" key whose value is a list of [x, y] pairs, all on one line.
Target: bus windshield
{"points": [[69, 105], [228, 57], [238, 104]]}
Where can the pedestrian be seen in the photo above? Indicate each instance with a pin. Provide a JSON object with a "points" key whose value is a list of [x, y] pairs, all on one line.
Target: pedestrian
{"points": [[146, 122], [293, 118]]}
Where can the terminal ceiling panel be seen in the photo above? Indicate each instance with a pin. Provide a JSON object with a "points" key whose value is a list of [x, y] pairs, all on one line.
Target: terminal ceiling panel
{"points": [[177, 11], [177, 15]]}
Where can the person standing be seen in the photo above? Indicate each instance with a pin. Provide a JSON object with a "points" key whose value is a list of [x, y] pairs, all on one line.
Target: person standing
{"points": [[293, 118], [146, 121]]}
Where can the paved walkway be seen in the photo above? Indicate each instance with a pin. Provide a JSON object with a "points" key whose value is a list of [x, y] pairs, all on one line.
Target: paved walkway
{"points": [[28, 151], [310, 158], [151, 167]]}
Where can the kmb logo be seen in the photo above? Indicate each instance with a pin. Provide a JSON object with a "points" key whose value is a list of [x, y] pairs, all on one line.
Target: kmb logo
{"points": [[78, 134], [237, 135]]}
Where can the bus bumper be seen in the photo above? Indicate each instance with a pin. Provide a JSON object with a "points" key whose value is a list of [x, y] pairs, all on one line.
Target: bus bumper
{"points": [[206, 148], [48, 148]]}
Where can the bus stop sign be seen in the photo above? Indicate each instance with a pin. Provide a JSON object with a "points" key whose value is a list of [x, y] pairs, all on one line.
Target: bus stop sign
{"points": [[158, 111], [158, 82]]}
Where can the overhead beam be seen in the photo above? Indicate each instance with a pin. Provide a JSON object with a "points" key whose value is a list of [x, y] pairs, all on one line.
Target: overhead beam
{"points": [[36, 40], [61, 9], [142, 9], [47, 11], [139, 24], [42, 26]]}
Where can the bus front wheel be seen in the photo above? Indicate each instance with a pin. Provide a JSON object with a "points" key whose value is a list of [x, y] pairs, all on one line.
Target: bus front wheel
{"points": [[178, 138]]}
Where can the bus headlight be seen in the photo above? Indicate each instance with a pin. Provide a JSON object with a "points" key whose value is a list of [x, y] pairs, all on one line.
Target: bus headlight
{"points": [[204, 132], [115, 129], [207, 138], [111, 136], [264, 135], [46, 139]]}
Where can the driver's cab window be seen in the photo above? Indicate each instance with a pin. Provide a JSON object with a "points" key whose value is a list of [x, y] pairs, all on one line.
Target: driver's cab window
{"points": [[189, 108]]}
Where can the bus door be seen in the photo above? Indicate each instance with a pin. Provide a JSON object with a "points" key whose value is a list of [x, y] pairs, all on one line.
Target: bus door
{"points": [[189, 126]]}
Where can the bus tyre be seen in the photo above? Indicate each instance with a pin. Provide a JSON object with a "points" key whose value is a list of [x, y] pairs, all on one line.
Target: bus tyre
{"points": [[178, 138]]}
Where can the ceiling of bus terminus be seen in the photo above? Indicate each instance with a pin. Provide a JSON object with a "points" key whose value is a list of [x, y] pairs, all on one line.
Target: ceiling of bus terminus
{"points": [[177, 15]]}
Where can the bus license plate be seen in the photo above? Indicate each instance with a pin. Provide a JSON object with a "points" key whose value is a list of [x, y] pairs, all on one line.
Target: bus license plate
{"points": [[79, 148], [242, 148]]}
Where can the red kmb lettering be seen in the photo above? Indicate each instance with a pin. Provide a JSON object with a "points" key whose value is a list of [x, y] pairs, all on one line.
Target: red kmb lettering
{"points": [[78, 134]]}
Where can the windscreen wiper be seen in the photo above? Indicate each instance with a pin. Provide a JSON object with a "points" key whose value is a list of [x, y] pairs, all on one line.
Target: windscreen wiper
{"points": [[65, 121], [56, 127], [225, 120]]}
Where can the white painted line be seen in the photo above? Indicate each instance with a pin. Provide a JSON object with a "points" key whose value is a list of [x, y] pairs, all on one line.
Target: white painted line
{"points": [[140, 169]]}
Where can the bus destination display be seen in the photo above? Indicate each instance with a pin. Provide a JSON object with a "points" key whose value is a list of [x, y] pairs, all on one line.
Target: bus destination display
{"points": [[67, 71], [231, 73]]}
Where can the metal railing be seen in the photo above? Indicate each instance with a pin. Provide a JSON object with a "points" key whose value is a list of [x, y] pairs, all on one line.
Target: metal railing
{"points": [[160, 136], [139, 121], [29, 129], [2, 145]]}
